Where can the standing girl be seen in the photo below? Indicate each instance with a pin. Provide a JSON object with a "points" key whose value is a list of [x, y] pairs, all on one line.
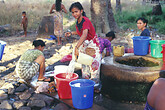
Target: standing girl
{"points": [[57, 9], [142, 24], [88, 43]]}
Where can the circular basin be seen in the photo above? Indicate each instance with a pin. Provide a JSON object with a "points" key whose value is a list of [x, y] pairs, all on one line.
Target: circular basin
{"points": [[129, 77]]}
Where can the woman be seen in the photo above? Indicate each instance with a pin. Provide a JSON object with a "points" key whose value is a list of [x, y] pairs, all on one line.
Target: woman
{"points": [[142, 24], [88, 43], [32, 62], [156, 97], [57, 9]]}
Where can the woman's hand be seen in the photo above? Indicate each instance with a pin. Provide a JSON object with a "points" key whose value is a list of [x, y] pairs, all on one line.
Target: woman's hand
{"points": [[76, 53], [68, 34]]}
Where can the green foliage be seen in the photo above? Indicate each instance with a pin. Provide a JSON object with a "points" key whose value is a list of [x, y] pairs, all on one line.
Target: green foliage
{"points": [[72, 27], [127, 19]]}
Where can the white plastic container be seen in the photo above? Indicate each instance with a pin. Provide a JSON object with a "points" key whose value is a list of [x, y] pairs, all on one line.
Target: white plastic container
{"points": [[60, 69]]}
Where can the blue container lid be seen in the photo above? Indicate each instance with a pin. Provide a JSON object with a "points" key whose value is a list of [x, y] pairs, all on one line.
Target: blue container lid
{"points": [[2, 42], [82, 83], [141, 38]]}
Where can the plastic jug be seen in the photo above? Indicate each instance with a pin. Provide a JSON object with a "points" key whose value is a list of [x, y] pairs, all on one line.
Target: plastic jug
{"points": [[83, 58], [118, 50]]}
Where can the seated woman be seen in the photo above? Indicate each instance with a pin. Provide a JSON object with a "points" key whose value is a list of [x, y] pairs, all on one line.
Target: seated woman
{"points": [[156, 97], [32, 62], [142, 24]]}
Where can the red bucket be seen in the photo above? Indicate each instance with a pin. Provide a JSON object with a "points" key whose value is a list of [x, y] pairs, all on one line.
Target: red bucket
{"points": [[64, 90], [163, 51]]}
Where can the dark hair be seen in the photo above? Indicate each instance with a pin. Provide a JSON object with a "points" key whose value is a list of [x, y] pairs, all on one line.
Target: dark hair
{"points": [[24, 12], [143, 20], [58, 5], [37, 43], [111, 34], [79, 6]]}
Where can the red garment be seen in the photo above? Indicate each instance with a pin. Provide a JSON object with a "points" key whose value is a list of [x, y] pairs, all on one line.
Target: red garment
{"points": [[86, 24]]}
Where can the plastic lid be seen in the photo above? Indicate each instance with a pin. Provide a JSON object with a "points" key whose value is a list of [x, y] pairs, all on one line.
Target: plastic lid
{"points": [[2, 42]]}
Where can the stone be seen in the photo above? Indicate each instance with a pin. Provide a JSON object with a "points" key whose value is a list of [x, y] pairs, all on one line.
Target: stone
{"points": [[5, 105], [36, 103], [3, 96], [26, 95], [7, 85], [24, 108], [21, 88], [46, 108], [2, 92], [11, 90], [61, 106], [18, 104], [47, 99], [2, 68], [31, 90]]}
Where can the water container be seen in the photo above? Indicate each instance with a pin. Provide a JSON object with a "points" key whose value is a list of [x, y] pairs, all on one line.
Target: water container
{"points": [[82, 93], [156, 48], [141, 45], [2, 47], [163, 52], [63, 88]]}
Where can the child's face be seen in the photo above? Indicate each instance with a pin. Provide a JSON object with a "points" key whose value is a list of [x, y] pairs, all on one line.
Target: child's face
{"points": [[23, 15], [76, 13], [109, 38], [140, 24]]}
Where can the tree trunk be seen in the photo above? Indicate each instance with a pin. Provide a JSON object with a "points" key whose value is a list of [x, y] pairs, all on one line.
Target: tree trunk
{"points": [[118, 6], [112, 24], [157, 10], [102, 20], [46, 26], [99, 15]]}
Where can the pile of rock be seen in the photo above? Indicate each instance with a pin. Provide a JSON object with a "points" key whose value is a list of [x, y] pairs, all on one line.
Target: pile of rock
{"points": [[18, 96]]}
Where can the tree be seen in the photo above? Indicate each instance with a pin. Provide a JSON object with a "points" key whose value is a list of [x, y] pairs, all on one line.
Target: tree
{"points": [[102, 16], [118, 6]]}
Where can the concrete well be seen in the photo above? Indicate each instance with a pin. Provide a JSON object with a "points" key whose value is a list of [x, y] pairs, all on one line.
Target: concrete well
{"points": [[125, 82]]}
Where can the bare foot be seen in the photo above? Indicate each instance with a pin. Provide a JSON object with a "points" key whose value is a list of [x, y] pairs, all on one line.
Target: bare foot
{"points": [[22, 36], [44, 79]]}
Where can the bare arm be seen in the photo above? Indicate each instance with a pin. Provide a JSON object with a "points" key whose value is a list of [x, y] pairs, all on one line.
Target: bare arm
{"points": [[82, 38], [67, 34], [51, 10], [80, 42], [27, 21], [64, 9]]}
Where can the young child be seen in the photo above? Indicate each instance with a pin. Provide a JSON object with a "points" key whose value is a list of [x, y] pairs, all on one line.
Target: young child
{"points": [[106, 43], [24, 23], [142, 24]]}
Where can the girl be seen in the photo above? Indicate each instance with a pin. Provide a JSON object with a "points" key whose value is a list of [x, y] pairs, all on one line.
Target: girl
{"points": [[142, 24], [88, 43], [57, 9], [32, 62], [106, 43]]}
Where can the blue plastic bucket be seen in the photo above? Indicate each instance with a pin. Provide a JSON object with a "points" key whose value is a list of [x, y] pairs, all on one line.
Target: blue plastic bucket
{"points": [[82, 93], [2, 47], [141, 45]]}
